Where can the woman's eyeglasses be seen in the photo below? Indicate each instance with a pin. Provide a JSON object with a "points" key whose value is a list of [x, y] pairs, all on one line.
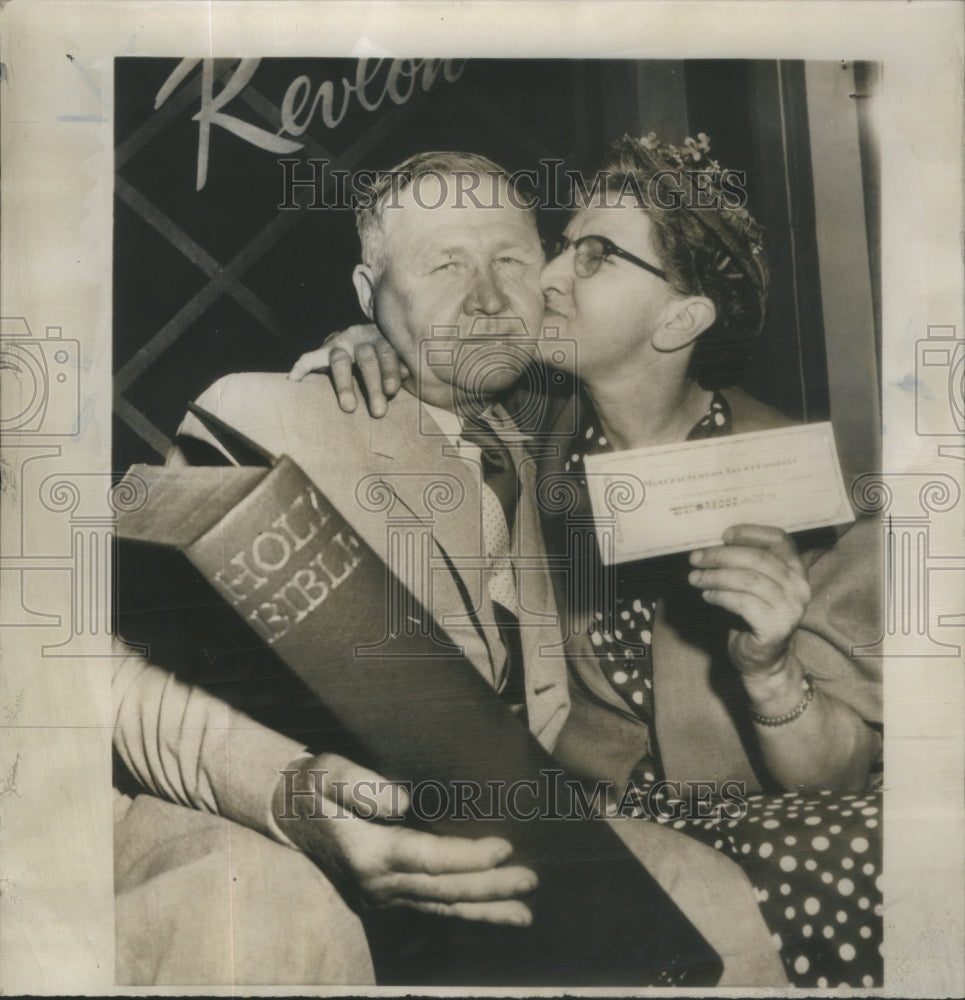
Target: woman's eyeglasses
{"points": [[591, 251]]}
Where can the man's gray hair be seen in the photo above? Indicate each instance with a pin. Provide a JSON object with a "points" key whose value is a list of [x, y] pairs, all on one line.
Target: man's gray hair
{"points": [[370, 212]]}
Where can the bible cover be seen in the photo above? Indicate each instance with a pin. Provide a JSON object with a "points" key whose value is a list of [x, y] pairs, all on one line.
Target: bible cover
{"points": [[291, 565]]}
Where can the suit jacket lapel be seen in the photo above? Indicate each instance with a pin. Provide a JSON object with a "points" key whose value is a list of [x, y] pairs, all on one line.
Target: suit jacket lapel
{"points": [[400, 490], [460, 599], [440, 490], [403, 488], [547, 695]]}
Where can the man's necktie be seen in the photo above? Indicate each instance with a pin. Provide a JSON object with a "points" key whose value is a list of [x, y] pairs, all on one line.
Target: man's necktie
{"points": [[498, 469], [501, 481]]}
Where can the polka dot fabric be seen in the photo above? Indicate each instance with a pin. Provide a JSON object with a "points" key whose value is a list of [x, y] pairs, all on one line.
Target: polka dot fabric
{"points": [[814, 860], [623, 644], [624, 652]]}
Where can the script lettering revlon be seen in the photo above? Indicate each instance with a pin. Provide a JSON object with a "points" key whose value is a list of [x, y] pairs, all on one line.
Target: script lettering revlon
{"points": [[296, 112]]}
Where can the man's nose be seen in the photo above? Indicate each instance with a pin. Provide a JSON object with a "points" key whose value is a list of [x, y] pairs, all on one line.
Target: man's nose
{"points": [[485, 296]]}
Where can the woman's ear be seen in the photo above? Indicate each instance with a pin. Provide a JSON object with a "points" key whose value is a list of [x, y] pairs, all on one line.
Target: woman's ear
{"points": [[363, 277], [684, 321]]}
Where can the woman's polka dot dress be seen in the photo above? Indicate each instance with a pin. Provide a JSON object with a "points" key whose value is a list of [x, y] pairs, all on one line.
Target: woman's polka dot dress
{"points": [[814, 859]]}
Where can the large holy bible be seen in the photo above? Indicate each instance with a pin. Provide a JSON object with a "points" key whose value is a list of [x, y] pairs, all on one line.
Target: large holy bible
{"points": [[316, 594]]}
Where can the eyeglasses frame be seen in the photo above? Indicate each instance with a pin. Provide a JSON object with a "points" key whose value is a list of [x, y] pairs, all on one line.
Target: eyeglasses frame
{"points": [[610, 249]]}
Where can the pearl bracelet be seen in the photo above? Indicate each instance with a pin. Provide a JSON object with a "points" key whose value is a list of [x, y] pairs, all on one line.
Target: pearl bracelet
{"points": [[807, 686]]}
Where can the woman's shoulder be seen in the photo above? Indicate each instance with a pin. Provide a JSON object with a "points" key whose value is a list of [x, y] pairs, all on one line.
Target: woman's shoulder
{"points": [[750, 414]]}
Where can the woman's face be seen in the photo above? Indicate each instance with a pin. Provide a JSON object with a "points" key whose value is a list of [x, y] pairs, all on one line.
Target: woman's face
{"points": [[612, 314]]}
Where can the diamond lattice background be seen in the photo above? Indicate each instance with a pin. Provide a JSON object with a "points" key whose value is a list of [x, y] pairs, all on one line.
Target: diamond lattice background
{"points": [[220, 279]]}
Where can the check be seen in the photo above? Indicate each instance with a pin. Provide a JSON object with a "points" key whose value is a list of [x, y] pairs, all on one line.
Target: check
{"points": [[678, 497]]}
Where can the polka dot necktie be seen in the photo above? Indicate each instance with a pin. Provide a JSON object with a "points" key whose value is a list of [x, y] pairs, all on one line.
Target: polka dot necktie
{"points": [[499, 473], [500, 494]]}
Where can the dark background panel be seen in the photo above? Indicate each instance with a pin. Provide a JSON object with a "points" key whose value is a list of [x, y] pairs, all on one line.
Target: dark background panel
{"points": [[221, 279]]}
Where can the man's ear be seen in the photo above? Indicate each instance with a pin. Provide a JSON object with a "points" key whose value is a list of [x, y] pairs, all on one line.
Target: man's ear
{"points": [[684, 321], [363, 277]]}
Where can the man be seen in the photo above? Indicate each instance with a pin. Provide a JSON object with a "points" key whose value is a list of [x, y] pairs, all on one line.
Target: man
{"points": [[223, 901]]}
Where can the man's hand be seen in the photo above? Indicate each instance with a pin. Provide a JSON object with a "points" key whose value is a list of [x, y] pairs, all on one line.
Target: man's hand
{"points": [[362, 347], [758, 575], [346, 826]]}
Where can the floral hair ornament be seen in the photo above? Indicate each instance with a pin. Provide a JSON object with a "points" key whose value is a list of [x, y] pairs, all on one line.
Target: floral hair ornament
{"points": [[736, 232]]}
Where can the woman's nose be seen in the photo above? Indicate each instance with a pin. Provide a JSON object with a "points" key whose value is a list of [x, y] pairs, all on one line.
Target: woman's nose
{"points": [[485, 296], [557, 274]]}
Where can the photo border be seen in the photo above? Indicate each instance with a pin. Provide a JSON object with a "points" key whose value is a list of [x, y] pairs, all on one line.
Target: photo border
{"points": [[56, 98]]}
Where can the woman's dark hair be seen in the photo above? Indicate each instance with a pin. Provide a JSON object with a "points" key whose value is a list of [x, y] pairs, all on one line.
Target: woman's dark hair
{"points": [[714, 251]]}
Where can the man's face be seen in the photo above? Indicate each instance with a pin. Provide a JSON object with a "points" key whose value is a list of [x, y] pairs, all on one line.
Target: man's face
{"points": [[464, 275]]}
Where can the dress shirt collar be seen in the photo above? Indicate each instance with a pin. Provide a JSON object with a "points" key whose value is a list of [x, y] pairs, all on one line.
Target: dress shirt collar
{"points": [[450, 423]]}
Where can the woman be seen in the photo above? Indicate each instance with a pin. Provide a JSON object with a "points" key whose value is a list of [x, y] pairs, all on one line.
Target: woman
{"points": [[732, 664]]}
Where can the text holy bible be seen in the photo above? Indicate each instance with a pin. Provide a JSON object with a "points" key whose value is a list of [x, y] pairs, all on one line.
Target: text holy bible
{"points": [[294, 569]]}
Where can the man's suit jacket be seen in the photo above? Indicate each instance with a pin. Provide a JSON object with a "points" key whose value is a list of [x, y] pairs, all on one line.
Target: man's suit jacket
{"points": [[190, 747], [703, 729], [394, 475], [402, 477]]}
